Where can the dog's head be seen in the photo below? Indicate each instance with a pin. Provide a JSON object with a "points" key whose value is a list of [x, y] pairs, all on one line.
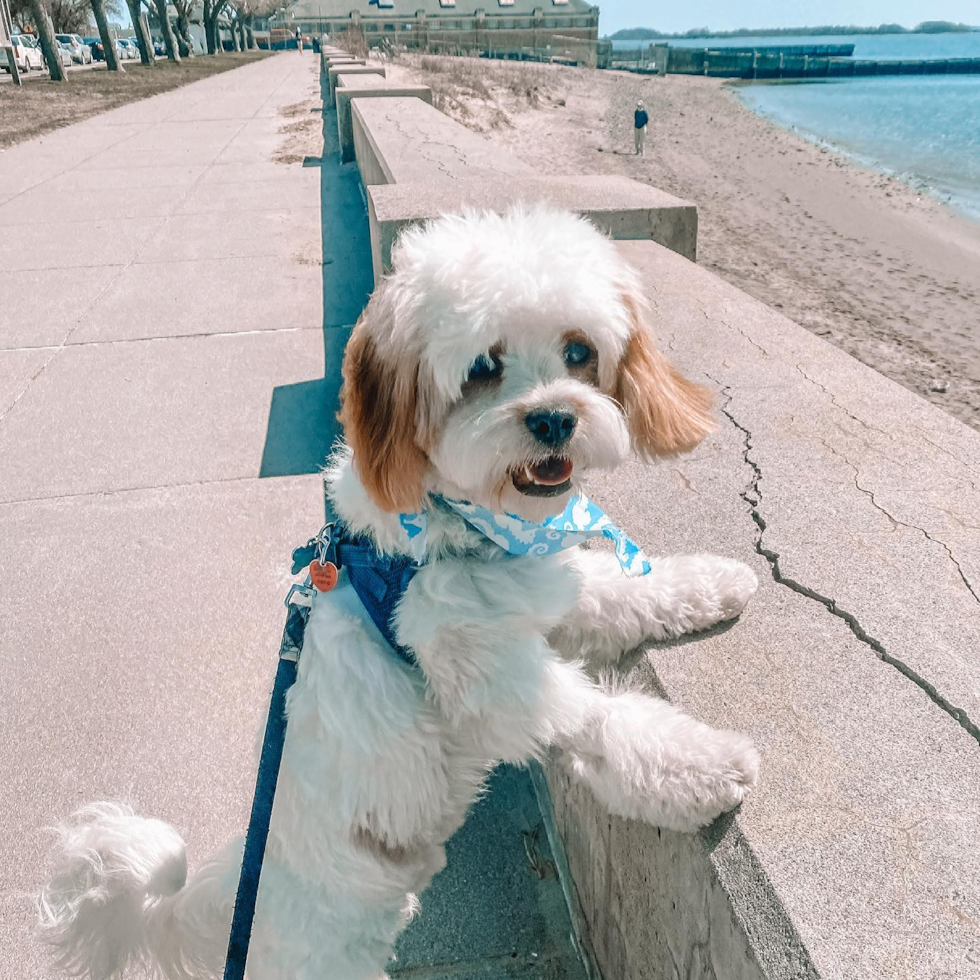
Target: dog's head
{"points": [[502, 360]]}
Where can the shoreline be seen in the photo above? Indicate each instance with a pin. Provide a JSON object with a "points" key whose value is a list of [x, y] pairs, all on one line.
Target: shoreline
{"points": [[917, 182], [855, 255]]}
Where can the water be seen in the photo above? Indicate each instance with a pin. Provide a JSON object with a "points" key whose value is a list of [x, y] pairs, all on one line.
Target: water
{"points": [[923, 128]]}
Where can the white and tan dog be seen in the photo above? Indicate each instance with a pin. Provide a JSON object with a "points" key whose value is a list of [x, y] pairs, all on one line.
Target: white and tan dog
{"points": [[505, 359]]}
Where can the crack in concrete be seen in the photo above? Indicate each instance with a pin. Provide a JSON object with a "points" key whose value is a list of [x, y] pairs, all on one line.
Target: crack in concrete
{"points": [[745, 336], [869, 493], [952, 456], [837, 405], [752, 495], [686, 481]]}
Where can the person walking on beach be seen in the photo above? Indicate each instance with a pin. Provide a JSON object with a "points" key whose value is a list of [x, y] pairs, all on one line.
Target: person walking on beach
{"points": [[640, 120], [299, 41]]}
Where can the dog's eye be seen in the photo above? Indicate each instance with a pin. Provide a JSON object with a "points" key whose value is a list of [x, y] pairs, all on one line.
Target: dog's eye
{"points": [[577, 354], [486, 367]]}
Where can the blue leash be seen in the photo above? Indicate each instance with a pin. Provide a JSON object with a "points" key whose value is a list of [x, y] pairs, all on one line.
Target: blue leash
{"points": [[265, 783], [379, 582]]}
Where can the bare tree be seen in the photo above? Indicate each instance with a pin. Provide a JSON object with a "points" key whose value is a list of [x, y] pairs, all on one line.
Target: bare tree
{"points": [[108, 44], [142, 33], [70, 16], [183, 29], [212, 10], [169, 41], [49, 46], [234, 13]]}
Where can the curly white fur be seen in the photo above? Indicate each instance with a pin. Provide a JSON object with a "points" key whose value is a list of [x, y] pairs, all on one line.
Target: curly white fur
{"points": [[381, 760]]}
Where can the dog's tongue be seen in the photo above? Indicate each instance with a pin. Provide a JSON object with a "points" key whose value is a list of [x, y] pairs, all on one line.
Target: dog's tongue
{"points": [[551, 471]]}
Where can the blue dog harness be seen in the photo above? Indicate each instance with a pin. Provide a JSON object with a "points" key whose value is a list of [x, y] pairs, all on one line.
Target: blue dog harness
{"points": [[379, 580]]}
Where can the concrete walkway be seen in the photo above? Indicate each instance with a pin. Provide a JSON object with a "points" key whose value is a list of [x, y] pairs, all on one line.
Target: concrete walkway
{"points": [[173, 307]]}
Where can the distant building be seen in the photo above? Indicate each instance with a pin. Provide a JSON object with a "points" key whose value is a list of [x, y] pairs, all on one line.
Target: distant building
{"points": [[500, 27]]}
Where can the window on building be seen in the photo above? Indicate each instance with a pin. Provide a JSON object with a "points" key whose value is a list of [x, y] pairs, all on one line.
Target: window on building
{"points": [[551, 22], [447, 3], [559, 3], [506, 3], [389, 27], [369, 27], [386, 3]]}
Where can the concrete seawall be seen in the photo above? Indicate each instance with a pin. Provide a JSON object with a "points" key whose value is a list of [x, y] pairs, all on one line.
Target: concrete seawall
{"points": [[854, 669]]}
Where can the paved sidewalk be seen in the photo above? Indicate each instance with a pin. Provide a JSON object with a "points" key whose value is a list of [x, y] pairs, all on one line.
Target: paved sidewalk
{"points": [[173, 308]]}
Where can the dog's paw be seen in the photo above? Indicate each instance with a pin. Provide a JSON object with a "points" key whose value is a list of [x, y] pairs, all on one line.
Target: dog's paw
{"points": [[644, 759], [719, 781], [701, 590], [732, 583]]}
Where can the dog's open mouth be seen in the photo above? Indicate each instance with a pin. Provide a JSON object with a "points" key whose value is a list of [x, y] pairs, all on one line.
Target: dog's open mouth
{"points": [[547, 478]]}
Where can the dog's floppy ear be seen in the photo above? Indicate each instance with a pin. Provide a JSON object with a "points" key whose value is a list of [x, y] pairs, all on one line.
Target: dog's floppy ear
{"points": [[665, 412], [378, 410]]}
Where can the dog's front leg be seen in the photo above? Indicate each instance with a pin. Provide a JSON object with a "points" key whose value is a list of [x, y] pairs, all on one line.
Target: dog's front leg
{"points": [[645, 759], [615, 613]]}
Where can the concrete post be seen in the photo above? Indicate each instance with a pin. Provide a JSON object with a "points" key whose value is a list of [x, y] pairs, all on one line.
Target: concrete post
{"points": [[12, 61]]}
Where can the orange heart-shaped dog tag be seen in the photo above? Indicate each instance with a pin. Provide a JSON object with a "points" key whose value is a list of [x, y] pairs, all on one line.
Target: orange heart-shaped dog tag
{"points": [[324, 577]]}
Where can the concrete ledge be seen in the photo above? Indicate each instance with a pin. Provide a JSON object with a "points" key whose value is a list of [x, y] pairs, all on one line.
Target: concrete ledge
{"points": [[335, 71], [854, 669], [337, 62], [330, 60], [621, 207], [401, 140], [363, 87]]}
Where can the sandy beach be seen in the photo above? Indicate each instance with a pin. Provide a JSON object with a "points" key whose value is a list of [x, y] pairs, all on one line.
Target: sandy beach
{"points": [[860, 258]]}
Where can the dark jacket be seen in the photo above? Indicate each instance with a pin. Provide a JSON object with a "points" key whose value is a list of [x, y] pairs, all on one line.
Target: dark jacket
{"points": [[640, 118]]}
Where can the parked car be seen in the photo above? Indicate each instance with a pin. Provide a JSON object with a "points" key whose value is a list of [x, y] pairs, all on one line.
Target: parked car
{"points": [[134, 41], [26, 54], [87, 57], [81, 54], [159, 48], [64, 53], [122, 50], [95, 46]]}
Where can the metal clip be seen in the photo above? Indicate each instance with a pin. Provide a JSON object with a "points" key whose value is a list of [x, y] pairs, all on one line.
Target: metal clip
{"points": [[326, 548], [304, 596]]}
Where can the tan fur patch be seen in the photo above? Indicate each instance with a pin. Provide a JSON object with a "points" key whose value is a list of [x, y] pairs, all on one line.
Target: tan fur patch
{"points": [[666, 413], [379, 413]]}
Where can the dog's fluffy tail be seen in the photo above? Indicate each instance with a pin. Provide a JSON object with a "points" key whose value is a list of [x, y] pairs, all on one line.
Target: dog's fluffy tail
{"points": [[119, 898]]}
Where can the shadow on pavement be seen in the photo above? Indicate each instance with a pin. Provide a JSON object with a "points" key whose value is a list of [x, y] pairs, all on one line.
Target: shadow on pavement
{"points": [[302, 418]]}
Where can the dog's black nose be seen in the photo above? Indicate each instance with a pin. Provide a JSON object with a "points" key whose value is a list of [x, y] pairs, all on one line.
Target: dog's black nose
{"points": [[551, 427]]}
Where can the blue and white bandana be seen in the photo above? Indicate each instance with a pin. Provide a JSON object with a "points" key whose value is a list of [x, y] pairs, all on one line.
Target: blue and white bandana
{"points": [[580, 520]]}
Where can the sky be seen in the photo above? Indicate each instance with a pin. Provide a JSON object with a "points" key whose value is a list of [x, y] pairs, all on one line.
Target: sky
{"points": [[728, 14]]}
